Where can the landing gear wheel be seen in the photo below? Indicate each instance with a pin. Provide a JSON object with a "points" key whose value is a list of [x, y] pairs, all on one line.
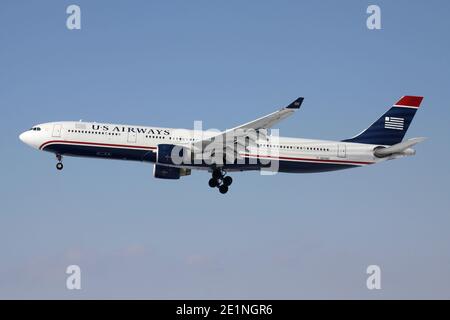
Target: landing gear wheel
{"points": [[217, 174], [227, 181], [223, 189], [213, 183], [59, 165]]}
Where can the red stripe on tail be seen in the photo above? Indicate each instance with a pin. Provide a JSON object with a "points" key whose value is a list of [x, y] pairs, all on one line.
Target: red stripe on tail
{"points": [[410, 101]]}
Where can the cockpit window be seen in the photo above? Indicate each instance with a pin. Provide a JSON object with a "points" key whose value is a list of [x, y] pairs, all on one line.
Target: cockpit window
{"points": [[35, 129]]}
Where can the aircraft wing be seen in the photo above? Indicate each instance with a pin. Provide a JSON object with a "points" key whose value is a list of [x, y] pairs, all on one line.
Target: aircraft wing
{"points": [[271, 119], [248, 130]]}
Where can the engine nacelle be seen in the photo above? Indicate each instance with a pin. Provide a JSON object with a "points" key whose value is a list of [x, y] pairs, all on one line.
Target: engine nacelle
{"points": [[173, 154], [164, 172]]}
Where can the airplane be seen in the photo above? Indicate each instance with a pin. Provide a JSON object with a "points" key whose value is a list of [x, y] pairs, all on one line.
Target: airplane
{"points": [[176, 152]]}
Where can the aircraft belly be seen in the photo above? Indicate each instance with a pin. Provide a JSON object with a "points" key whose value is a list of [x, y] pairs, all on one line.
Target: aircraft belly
{"points": [[150, 156], [102, 152]]}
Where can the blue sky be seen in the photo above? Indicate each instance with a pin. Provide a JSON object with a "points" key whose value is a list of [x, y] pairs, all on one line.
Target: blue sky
{"points": [[168, 63]]}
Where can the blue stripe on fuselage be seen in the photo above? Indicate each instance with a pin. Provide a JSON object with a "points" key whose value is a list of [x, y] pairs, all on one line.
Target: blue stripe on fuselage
{"points": [[102, 152]]}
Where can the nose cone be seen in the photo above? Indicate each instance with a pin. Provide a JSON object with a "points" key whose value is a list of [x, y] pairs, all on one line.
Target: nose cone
{"points": [[22, 137], [28, 138]]}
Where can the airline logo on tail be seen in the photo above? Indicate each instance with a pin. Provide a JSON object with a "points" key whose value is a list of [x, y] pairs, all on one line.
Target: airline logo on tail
{"points": [[393, 123]]}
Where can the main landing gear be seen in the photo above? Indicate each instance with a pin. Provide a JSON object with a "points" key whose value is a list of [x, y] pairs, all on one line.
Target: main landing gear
{"points": [[59, 165], [219, 180]]}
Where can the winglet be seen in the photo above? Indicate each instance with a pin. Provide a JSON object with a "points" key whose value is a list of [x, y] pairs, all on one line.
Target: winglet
{"points": [[296, 104]]}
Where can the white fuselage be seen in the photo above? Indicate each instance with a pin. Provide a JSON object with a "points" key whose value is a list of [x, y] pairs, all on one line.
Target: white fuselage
{"points": [[87, 139]]}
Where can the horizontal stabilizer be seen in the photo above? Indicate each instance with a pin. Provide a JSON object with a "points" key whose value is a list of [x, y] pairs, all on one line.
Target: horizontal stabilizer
{"points": [[401, 147]]}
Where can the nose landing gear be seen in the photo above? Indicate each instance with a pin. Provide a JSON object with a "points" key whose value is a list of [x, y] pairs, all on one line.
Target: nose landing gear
{"points": [[219, 180], [59, 165]]}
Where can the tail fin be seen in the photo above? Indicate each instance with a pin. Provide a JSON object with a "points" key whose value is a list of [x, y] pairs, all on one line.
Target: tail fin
{"points": [[392, 126]]}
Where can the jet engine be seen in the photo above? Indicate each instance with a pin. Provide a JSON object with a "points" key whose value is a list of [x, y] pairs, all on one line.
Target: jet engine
{"points": [[171, 154], [172, 173]]}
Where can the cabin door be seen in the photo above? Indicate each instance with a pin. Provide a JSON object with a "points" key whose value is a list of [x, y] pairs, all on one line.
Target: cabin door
{"points": [[56, 131], [132, 136], [342, 152]]}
